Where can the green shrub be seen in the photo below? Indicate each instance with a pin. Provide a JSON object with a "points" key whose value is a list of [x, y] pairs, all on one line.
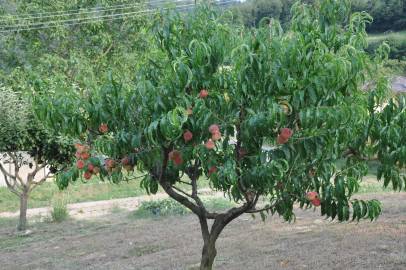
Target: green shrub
{"points": [[168, 207], [59, 211], [163, 207]]}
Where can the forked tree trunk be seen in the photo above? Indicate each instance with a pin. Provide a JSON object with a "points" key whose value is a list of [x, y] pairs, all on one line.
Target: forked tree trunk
{"points": [[210, 237], [22, 222]]}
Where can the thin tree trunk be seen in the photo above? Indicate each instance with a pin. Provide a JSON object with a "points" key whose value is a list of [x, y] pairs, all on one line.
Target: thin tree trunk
{"points": [[208, 255], [22, 222]]}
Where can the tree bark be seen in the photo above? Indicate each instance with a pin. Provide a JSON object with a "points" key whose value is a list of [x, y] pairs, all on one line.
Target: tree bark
{"points": [[22, 222], [208, 255]]}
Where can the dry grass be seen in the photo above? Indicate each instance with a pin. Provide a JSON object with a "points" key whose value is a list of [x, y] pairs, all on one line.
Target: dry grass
{"points": [[119, 242]]}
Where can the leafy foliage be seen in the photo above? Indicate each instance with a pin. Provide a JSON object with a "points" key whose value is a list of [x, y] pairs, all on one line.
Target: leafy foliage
{"points": [[261, 113], [316, 69], [13, 118]]}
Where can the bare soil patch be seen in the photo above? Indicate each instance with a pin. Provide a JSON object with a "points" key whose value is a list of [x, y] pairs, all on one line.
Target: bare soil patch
{"points": [[116, 241]]}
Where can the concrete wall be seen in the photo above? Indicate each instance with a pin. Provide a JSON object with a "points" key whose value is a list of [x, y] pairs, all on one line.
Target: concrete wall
{"points": [[24, 170]]}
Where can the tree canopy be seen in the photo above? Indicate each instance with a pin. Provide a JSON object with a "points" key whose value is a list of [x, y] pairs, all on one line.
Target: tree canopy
{"points": [[260, 114]]}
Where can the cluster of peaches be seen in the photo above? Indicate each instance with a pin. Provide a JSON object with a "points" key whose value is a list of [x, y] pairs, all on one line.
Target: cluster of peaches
{"points": [[90, 168], [83, 155], [176, 156]]}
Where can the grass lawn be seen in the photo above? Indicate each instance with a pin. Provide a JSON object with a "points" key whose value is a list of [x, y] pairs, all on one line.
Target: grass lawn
{"points": [[95, 190]]}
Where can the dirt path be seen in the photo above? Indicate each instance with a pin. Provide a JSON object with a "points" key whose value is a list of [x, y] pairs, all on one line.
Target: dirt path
{"points": [[118, 241], [399, 84], [86, 210]]}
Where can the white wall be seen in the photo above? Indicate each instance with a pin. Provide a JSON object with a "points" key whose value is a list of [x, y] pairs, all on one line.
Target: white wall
{"points": [[24, 170]]}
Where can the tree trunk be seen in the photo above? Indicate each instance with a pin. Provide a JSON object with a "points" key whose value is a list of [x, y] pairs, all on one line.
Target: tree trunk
{"points": [[22, 222], [208, 255]]}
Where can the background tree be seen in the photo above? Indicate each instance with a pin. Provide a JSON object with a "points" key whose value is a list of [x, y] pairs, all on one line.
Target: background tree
{"points": [[389, 15], [70, 45], [32, 153], [271, 119]]}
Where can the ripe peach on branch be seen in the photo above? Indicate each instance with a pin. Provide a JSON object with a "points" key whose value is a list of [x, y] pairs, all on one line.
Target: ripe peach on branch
{"points": [[80, 164], [87, 175], [103, 128], [284, 135], [210, 144], [203, 93], [176, 157], [187, 136]]}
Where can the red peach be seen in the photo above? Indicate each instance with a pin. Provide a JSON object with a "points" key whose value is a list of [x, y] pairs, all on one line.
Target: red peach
{"points": [[286, 133], [103, 128], [178, 160], [80, 164], [81, 148], [203, 93], [90, 167], [85, 155], [312, 195], [210, 144], [214, 128], [87, 175], [174, 154], [216, 136], [281, 140], [187, 136], [316, 202]]}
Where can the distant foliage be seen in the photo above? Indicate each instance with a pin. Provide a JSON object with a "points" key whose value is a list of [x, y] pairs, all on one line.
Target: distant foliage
{"points": [[396, 42], [387, 14]]}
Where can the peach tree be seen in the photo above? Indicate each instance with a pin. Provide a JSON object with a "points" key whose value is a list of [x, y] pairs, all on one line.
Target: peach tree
{"points": [[271, 118]]}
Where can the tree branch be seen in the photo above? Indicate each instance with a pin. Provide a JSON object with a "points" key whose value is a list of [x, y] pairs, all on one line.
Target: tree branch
{"points": [[11, 187], [262, 209], [169, 188], [181, 191], [33, 183], [16, 168], [5, 173]]}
